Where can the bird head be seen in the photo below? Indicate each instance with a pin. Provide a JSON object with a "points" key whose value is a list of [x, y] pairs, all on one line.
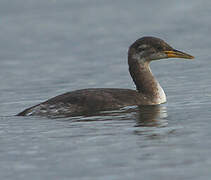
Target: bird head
{"points": [[152, 48]]}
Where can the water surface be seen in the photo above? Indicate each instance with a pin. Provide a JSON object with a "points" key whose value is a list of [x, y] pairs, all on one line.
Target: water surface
{"points": [[51, 47]]}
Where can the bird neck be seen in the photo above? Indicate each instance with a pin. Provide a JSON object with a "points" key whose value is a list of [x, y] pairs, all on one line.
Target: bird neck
{"points": [[145, 82]]}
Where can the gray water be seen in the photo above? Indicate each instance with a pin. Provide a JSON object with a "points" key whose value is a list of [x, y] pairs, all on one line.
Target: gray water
{"points": [[51, 47]]}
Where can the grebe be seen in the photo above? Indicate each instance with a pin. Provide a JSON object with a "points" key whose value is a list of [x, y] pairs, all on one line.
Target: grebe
{"points": [[148, 90]]}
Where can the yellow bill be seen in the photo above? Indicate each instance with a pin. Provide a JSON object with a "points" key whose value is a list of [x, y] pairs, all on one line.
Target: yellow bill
{"points": [[178, 54]]}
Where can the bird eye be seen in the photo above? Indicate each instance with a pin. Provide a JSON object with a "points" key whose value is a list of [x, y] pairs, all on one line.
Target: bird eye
{"points": [[142, 47], [159, 48]]}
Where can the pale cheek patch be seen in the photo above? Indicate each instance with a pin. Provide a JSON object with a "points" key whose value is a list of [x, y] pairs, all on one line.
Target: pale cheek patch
{"points": [[138, 55], [143, 46]]}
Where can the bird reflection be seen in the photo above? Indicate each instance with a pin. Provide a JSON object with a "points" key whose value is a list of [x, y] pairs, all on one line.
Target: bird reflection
{"points": [[144, 116], [151, 116]]}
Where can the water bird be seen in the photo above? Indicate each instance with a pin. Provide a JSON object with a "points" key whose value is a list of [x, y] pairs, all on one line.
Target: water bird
{"points": [[148, 90]]}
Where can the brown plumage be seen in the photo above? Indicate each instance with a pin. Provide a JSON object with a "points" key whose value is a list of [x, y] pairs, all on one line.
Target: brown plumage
{"points": [[148, 92]]}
